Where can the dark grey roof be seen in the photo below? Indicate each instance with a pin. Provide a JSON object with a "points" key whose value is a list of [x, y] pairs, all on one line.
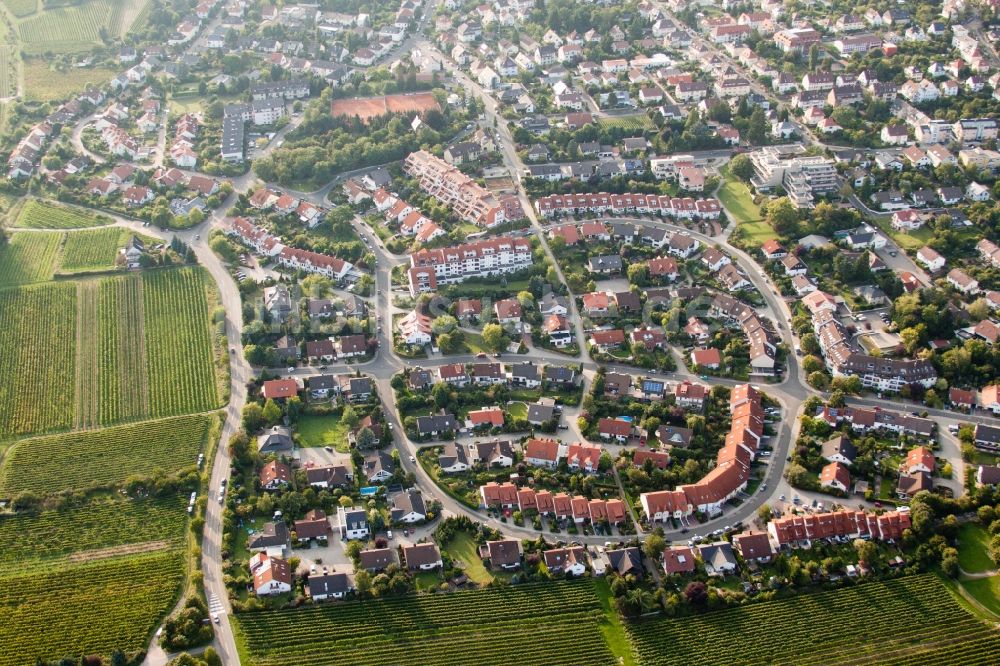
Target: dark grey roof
{"points": [[436, 423], [329, 584]]}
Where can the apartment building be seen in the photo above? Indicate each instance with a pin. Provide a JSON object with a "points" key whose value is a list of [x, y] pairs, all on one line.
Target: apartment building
{"points": [[877, 373], [802, 176], [974, 130], [602, 202], [471, 201], [450, 265]]}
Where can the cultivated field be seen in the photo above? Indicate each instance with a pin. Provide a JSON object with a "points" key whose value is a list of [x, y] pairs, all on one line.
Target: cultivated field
{"points": [[20, 8], [179, 361], [48, 538], [123, 388], [78, 27], [83, 609], [551, 624], [37, 357], [636, 122], [42, 83], [366, 108], [103, 457], [92, 250], [905, 621], [86, 411], [28, 257], [8, 70], [37, 214]]}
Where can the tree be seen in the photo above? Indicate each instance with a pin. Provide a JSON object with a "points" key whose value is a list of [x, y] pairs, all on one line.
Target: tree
{"points": [[638, 274], [741, 167], [782, 215], [271, 413], [797, 475], [654, 546], [526, 299], [365, 438], [493, 337], [443, 324], [866, 550], [696, 593], [764, 513], [253, 417], [819, 380], [349, 417], [979, 309], [757, 126]]}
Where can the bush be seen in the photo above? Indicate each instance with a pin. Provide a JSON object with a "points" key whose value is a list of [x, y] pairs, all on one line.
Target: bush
{"points": [[186, 628]]}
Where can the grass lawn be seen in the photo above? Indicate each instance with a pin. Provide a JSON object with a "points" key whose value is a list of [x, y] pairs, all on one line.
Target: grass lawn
{"points": [[463, 549], [986, 591], [887, 489], [913, 240], [473, 344], [736, 197], [323, 431], [611, 628], [972, 554], [517, 410], [426, 580]]}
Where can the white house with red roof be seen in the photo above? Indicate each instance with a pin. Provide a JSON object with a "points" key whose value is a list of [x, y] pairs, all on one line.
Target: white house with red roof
{"points": [[919, 459]]}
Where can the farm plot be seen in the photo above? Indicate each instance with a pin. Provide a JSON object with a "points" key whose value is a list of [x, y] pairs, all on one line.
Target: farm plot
{"points": [[45, 83], [36, 357], [123, 389], [8, 70], [44, 540], [856, 625], [20, 8], [28, 258], [71, 29], [37, 214], [637, 122], [105, 457], [93, 249], [86, 413], [87, 609], [459, 628], [178, 342]]}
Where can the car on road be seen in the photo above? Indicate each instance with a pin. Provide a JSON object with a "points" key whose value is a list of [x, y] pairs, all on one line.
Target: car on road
{"points": [[781, 497], [412, 459], [388, 534], [703, 377], [329, 449], [215, 618]]}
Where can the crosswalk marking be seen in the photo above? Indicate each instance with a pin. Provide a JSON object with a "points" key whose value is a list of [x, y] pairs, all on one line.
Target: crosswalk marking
{"points": [[215, 604]]}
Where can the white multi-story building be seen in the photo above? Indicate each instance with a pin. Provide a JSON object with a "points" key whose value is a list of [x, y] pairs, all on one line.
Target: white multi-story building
{"points": [[449, 265], [802, 176], [470, 200]]}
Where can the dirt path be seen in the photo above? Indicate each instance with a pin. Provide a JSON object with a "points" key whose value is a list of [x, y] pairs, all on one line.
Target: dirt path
{"points": [[115, 551]]}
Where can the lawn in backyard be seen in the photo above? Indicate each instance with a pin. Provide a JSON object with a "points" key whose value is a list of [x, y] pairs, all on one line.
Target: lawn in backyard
{"points": [[327, 430], [517, 410], [463, 549], [909, 240], [972, 554]]}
